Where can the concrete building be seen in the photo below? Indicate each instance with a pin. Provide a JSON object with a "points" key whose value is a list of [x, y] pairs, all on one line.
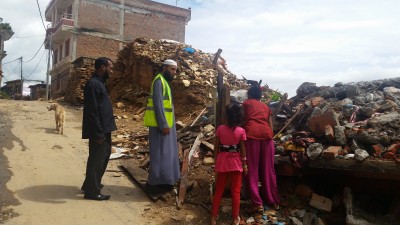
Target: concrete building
{"points": [[93, 28], [5, 34]]}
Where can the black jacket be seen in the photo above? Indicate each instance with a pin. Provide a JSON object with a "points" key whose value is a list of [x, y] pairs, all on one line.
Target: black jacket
{"points": [[98, 117]]}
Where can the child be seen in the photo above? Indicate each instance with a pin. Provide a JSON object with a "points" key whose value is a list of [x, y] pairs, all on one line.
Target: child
{"points": [[230, 161]]}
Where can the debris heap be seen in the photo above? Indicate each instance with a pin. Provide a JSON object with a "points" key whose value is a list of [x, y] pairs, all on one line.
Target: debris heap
{"points": [[354, 120], [193, 87]]}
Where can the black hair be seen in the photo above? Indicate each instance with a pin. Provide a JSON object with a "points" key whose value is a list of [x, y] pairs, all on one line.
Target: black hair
{"points": [[102, 61], [234, 115], [254, 92]]}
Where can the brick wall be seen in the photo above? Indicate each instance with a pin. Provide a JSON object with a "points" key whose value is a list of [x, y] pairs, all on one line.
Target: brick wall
{"points": [[94, 47], [142, 18]]}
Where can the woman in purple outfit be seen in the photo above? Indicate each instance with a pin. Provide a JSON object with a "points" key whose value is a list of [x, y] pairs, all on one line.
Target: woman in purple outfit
{"points": [[260, 152]]}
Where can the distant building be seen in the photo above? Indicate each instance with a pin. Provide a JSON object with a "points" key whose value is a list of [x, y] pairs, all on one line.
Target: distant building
{"points": [[13, 88], [38, 91], [93, 28]]}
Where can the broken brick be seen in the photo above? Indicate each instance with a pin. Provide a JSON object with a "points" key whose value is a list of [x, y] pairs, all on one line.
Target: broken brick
{"points": [[331, 152], [318, 123], [316, 101], [377, 150]]}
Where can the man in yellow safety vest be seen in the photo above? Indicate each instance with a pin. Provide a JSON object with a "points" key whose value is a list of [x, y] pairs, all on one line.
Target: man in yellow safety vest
{"points": [[159, 117]]}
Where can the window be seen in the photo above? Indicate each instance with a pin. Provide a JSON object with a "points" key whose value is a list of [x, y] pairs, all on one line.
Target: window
{"points": [[61, 52], [55, 56], [67, 48]]}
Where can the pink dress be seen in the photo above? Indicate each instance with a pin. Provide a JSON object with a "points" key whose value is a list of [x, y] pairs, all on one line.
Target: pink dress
{"points": [[229, 161]]}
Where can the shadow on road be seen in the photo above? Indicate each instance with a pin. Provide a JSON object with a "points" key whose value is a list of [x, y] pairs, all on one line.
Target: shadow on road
{"points": [[58, 194], [48, 130]]}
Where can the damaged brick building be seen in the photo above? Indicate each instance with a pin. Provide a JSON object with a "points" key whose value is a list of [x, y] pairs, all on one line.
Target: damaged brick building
{"points": [[93, 28]]}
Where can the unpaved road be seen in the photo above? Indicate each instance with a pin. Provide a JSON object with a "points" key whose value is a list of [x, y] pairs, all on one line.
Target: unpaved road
{"points": [[41, 172]]}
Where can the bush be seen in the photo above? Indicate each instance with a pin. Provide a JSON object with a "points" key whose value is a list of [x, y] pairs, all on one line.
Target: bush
{"points": [[4, 95]]}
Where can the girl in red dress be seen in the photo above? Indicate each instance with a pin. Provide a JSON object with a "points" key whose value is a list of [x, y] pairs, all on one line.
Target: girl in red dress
{"points": [[230, 161]]}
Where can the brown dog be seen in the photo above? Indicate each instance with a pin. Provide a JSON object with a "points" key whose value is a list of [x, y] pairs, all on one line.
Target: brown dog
{"points": [[59, 116]]}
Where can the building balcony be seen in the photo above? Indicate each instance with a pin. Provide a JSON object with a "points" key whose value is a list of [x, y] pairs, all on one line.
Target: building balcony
{"points": [[61, 65], [60, 31]]}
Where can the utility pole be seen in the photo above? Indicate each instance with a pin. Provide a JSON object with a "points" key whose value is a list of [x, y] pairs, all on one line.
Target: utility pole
{"points": [[22, 79], [48, 69]]}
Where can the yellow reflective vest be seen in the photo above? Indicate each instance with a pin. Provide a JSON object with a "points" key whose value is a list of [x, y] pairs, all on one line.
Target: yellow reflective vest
{"points": [[149, 115]]}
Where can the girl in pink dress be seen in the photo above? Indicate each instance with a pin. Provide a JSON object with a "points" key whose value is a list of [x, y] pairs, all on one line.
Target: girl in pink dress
{"points": [[230, 161]]}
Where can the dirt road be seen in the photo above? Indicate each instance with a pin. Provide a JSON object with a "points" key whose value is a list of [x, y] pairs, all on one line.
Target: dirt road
{"points": [[42, 171]]}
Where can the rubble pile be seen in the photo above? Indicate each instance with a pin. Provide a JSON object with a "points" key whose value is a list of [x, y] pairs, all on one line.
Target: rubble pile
{"points": [[83, 69], [193, 86], [355, 120]]}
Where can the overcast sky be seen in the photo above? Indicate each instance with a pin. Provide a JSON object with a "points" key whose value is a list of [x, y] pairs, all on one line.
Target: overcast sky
{"points": [[282, 42]]}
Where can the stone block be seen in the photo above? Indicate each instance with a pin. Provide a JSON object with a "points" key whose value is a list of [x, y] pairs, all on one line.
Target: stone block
{"points": [[340, 135]]}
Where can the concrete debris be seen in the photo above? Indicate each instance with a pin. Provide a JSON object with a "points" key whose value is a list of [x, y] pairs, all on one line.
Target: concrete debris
{"points": [[360, 155]]}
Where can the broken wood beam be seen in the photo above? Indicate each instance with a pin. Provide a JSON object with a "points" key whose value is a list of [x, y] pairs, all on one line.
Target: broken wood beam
{"points": [[201, 113], [195, 146], [290, 121], [183, 181]]}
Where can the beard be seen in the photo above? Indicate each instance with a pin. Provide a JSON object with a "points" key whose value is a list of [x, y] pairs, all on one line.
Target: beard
{"points": [[168, 76], [106, 75]]}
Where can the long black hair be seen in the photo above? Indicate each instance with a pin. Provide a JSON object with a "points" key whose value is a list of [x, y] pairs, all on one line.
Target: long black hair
{"points": [[234, 115]]}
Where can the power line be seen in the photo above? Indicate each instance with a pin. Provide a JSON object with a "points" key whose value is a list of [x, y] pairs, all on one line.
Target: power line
{"points": [[29, 36], [10, 61], [36, 66], [40, 12], [35, 53]]}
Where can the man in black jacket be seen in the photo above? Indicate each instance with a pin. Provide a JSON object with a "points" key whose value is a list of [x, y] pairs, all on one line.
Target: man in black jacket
{"points": [[97, 125]]}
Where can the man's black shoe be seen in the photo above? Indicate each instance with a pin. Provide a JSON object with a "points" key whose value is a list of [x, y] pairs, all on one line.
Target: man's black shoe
{"points": [[98, 197]]}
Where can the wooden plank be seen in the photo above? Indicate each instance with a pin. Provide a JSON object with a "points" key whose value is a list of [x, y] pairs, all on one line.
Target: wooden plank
{"points": [[139, 176], [369, 168], [321, 202], [183, 182]]}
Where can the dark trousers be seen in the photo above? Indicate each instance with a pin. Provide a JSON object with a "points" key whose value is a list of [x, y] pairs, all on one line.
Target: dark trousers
{"points": [[99, 155]]}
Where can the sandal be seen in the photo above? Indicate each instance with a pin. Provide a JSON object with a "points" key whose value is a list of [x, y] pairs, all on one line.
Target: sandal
{"points": [[276, 207], [255, 209], [236, 221], [213, 220]]}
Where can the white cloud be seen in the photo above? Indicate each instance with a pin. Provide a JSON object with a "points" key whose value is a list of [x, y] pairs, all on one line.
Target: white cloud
{"points": [[283, 42]]}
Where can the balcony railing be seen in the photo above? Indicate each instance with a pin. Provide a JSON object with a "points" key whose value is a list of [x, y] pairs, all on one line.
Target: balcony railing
{"points": [[66, 20]]}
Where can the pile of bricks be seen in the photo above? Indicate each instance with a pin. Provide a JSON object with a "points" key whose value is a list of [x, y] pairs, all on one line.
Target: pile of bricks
{"points": [[82, 70]]}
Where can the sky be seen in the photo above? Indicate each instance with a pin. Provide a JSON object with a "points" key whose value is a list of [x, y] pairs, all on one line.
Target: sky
{"points": [[282, 42]]}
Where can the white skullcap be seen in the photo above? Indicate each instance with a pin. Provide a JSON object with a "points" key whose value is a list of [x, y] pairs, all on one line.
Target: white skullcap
{"points": [[170, 62]]}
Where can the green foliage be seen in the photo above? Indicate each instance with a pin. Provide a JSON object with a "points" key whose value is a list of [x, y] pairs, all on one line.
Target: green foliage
{"points": [[5, 26], [276, 96], [3, 95]]}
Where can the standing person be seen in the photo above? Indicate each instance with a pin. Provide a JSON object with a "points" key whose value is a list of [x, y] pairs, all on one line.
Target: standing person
{"points": [[260, 151], [159, 117], [230, 161], [98, 123]]}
